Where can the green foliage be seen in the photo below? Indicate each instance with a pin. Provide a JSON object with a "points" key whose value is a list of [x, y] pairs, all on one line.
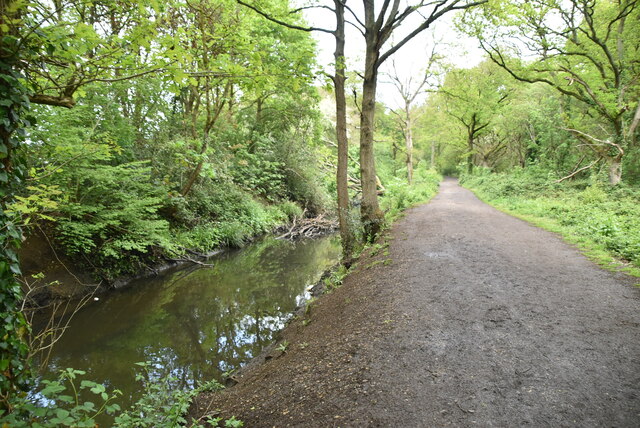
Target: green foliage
{"points": [[101, 208], [161, 404], [37, 205], [399, 195], [282, 347], [588, 210], [62, 402], [14, 106], [290, 209], [70, 47], [65, 402], [572, 46], [227, 216], [229, 423], [337, 276], [257, 168], [113, 216]]}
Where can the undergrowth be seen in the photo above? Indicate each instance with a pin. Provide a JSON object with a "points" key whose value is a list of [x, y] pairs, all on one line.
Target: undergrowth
{"points": [[75, 402], [601, 219], [399, 195], [238, 224]]}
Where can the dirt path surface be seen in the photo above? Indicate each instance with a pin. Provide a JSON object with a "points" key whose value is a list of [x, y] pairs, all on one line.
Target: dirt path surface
{"points": [[474, 319]]}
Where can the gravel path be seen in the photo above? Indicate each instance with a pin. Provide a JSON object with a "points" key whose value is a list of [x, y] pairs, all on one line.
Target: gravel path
{"points": [[473, 318]]}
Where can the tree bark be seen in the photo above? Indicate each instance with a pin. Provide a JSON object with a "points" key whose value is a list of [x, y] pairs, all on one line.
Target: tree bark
{"points": [[372, 217], [346, 233], [470, 150], [615, 170], [196, 172], [62, 101], [634, 126], [408, 138], [433, 154]]}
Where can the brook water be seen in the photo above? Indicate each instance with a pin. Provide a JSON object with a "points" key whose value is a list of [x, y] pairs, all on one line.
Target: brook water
{"points": [[194, 323]]}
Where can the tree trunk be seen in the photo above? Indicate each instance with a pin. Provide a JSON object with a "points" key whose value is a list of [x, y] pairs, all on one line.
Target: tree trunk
{"points": [[433, 154], [259, 103], [14, 328], [196, 172], [372, 217], [615, 170], [470, 155], [634, 126], [346, 233], [408, 139]]}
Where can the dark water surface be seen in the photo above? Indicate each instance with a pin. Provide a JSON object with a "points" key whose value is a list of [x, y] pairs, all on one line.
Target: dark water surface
{"points": [[194, 323]]}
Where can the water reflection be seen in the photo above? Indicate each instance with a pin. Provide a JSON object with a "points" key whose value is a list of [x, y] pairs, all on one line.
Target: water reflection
{"points": [[194, 323]]}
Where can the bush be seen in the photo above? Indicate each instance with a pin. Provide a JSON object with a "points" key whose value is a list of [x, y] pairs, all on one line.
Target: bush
{"points": [[290, 209], [59, 403], [63, 402], [109, 214], [161, 405], [225, 215]]}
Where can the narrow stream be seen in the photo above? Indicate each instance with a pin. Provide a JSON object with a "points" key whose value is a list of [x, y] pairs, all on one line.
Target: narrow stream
{"points": [[193, 323]]}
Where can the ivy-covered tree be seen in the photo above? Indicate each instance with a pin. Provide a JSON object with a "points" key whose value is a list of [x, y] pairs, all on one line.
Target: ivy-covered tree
{"points": [[14, 106]]}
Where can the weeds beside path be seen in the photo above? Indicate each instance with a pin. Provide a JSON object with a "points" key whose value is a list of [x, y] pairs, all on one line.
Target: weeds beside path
{"points": [[470, 317]]}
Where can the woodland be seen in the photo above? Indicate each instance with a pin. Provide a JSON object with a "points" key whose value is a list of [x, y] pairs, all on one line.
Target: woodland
{"points": [[136, 131]]}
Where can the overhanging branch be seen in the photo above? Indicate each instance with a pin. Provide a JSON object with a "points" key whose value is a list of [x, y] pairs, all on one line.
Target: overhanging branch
{"points": [[430, 20], [280, 22], [62, 101]]}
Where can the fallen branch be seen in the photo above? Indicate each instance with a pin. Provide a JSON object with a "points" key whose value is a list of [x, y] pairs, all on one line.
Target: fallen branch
{"points": [[189, 260], [309, 227]]}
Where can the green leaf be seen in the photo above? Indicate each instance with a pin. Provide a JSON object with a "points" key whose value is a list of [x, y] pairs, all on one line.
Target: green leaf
{"points": [[62, 413]]}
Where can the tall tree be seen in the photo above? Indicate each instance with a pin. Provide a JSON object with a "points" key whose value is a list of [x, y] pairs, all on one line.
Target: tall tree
{"points": [[586, 50], [347, 234], [377, 27], [342, 174], [14, 105], [207, 32], [409, 90], [474, 97]]}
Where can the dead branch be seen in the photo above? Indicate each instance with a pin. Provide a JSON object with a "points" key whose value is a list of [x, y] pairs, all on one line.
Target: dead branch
{"points": [[586, 137], [310, 227], [579, 170], [189, 260]]}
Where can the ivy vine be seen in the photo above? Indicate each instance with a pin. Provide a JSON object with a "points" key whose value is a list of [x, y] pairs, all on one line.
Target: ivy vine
{"points": [[14, 106]]}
